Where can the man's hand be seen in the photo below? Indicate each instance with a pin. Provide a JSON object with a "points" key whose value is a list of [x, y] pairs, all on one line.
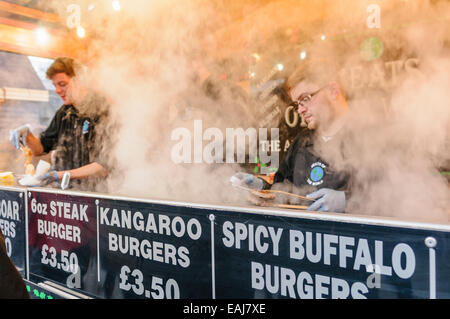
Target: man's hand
{"points": [[327, 200], [48, 178], [246, 180], [18, 136]]}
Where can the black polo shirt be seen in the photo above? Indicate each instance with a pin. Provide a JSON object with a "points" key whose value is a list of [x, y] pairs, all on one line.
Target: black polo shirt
{"points": [[78, 137], [71, 135], [303, 167]]}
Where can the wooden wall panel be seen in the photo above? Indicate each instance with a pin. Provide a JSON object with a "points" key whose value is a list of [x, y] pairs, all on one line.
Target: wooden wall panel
{"points": [[19, 35]]}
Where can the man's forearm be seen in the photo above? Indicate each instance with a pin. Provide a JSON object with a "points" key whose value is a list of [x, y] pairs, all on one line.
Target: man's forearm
{"points": [[90, 170]]}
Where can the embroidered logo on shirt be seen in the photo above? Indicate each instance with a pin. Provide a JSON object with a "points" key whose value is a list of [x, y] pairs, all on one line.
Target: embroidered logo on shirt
{"points": [[317, 174], [86, 127]]}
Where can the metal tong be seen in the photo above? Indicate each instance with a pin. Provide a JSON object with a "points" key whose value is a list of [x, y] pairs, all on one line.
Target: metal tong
{"points": [[265, 193]]}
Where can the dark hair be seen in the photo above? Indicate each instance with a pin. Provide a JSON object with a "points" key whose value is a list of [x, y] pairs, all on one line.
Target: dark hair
{"points": [[63, 65], [320, 71]]}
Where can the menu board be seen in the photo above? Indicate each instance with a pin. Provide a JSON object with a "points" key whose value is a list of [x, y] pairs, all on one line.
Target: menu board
{"points": [[62, 238], [105, 247], [154, 251], [12, 226], [269, 256]]}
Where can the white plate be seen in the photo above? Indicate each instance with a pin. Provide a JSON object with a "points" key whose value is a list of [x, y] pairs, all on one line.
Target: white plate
{"points": [[29, 180]]}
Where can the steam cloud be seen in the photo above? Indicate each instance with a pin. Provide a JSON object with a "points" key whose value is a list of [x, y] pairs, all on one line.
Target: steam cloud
{"points": [[150, 61]]}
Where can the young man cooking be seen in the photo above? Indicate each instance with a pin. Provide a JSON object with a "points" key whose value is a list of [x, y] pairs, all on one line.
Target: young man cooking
{"points": [[71, 135], [315, 160]]}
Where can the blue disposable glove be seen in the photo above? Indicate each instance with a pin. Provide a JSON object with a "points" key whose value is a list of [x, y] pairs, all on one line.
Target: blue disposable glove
{"points": [[327, 200], [18, 136], [48, 178], [246, 180]]}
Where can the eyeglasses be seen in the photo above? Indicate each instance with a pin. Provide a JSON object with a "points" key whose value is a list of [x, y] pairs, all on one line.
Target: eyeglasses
{"points": [[304, 99]]}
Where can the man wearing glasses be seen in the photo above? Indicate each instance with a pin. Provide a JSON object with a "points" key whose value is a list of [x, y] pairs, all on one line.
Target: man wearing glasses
{"points": [[314, 163]]}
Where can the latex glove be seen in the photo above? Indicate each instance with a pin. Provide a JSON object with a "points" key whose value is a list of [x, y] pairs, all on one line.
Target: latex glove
{"points": [[246, 180], [48, 178], [327, 200], [18, 136]]}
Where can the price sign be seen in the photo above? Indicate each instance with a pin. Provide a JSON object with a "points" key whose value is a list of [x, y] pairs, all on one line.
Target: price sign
{"points": [[62, 238], [59, 261], [158, 288], [154, 251]]}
